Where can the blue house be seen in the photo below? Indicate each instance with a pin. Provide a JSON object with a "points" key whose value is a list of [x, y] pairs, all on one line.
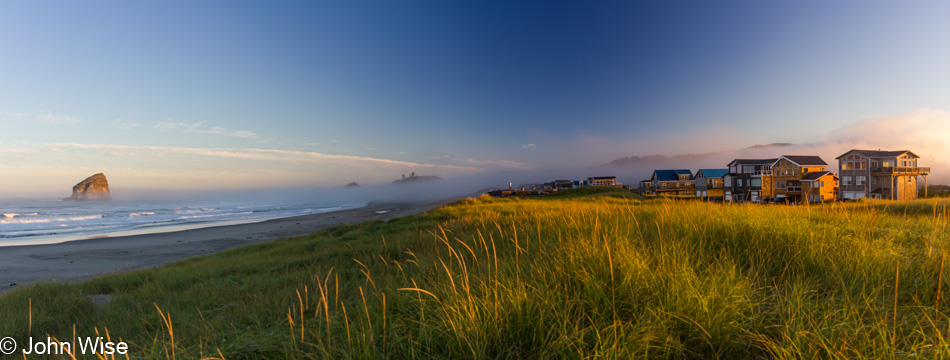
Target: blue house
{"points": [[673, 182], [709, 183]]}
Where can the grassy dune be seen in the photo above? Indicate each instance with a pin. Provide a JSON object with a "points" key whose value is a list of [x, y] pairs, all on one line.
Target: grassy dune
{"points": [[584, 274]]}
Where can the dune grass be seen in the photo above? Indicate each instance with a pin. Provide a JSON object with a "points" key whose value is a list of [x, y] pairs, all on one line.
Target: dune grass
{"points": [[579, 275]]}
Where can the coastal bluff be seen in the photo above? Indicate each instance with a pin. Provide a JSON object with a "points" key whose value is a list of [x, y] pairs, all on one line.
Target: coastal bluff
{"points": [[95, 187], [416, 179]]}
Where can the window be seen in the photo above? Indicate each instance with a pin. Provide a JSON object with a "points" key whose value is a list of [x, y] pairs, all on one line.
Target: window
{"points": [[821, 184], [846, 180], [728, 181], [845, 166], [874, 164], [873, 180], [804, 170], [756, 182], [779, 184], [860, 180], [748, 169]]}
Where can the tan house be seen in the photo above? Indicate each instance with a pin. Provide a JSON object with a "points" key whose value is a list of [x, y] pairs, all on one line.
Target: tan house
{"points": [[603, 181], [819, 186], [709, 184], [788, 171], [880, 174], [646, 187]]}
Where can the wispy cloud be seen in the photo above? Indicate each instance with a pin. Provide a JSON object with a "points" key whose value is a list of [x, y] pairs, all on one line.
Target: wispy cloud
{"points": [[499, 163], [125, 124], [46, 117], [251, 154], [201, 128], [528, 146], [40, 164]]}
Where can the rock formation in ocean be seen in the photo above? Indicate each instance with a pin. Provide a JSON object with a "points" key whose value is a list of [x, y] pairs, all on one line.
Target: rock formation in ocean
{"points": [[93, 188], [352, 184]]}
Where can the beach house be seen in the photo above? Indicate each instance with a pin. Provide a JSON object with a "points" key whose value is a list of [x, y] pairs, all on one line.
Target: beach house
{"points": [[673, 182], [788, 171], [708, 184], [880, 174], [819, 186], [602, 181], [748, 180]]}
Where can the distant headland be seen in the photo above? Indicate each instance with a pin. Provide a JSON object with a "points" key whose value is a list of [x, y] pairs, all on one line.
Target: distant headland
{"points": [[413, 178]]}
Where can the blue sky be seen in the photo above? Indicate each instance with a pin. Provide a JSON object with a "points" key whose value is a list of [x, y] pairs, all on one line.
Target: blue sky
{"points": [[256, 94]]}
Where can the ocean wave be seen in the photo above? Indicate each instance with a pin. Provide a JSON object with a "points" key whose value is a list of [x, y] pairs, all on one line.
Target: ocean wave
{"points": [[10, 215], [213, 215], [194, 211], [81, 218], [23, 221], [144, 213], [15, 236]]}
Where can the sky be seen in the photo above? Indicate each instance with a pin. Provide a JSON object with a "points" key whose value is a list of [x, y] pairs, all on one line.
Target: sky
{"points": [[242, 94]]}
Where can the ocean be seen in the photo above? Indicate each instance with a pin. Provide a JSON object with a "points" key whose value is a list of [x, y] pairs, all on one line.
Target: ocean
{"points": [[46, 221]]}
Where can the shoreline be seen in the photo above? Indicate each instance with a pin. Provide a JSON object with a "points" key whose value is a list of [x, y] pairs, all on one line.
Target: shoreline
{"points": [[79, 260], [60, 239]]}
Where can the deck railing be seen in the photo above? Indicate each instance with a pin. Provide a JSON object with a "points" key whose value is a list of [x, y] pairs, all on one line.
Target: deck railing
{"points": [[901, 170]]}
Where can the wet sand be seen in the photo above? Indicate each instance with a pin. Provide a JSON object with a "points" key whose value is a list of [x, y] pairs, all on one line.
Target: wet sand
{"points": [[84, 259]]}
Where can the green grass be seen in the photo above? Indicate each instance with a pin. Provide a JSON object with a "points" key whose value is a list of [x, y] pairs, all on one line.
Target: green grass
{"points": [[576, 275]]}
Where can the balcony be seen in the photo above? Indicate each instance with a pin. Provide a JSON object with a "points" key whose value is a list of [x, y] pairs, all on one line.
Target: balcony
{"points": [[792, 189], [914, 171]]}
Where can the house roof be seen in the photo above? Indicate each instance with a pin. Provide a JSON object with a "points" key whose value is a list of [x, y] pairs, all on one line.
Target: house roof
{"points": [[804, 160], [603, 177], [879, 153], [753, 161], [712, 173], [671, 175], [816, 175]]}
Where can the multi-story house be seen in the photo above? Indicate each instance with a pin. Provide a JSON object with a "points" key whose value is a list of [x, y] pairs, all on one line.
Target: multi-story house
{"points": [[603, 181], [672, 182], [880, 174], [646, 187], [789, 171], [709, 184], [820, 186], [748, 180]]}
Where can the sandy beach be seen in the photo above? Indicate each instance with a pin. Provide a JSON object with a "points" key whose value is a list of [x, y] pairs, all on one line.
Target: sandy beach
{"points": [[84, 259]]}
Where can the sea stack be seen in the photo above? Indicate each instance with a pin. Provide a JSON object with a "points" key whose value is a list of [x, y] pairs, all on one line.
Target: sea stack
{"points": [[93, 188]]}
